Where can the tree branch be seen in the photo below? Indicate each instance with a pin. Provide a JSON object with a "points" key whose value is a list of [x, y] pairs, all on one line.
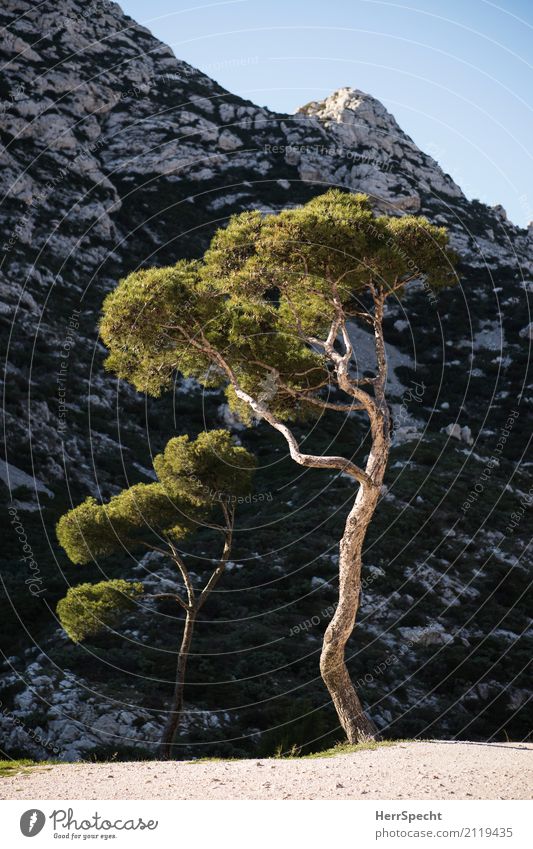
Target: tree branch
{"points": [[303, 395], [342, 363], [173, 596], [229, 512], [381, 354], [398, 286], [315, 461], [309, 460], [184, 573]]}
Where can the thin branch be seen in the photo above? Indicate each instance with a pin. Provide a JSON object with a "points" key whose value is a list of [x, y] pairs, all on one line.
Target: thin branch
{"points": [[173, 596], [342, 362], [308, 460], [152, 547], [315, 461], [184, 573], [366, 316], [229, 513], [379, 341], [398, 286], [273, 370], [329, 405], [304, 394]]}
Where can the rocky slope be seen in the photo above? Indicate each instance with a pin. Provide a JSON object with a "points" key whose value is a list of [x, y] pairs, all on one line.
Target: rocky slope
{"points": [[116, 154]]}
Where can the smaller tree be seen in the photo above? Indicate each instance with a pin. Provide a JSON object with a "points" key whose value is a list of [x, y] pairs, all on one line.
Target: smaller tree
{"points": [[199, 484]]}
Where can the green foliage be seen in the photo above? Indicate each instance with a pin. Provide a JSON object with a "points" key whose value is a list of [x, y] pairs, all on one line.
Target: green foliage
{"points": [[334, 240], [16, 765], [333, 244], [137, 514], [352, 748], [264, 284], [209, 470], [196, 477], [89, 609], [137, 325]]}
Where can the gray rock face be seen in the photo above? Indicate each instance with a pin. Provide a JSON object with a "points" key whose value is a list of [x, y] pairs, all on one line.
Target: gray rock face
{"points": [[463, 434], [393, 168], [75, 721]]}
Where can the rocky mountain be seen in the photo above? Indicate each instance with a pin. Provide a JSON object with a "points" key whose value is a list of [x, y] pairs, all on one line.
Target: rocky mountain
{"points": [[115, 155]]}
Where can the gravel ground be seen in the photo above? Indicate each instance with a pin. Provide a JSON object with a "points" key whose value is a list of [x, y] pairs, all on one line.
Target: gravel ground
{"points": [[424, 770]]}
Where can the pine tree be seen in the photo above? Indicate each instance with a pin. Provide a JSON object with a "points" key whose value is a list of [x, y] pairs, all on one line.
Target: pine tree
{"points": [[268, 314], [199, 484]]}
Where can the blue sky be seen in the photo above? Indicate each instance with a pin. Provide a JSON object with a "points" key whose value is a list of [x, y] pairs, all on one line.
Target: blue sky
{"points": [[456, 75]]}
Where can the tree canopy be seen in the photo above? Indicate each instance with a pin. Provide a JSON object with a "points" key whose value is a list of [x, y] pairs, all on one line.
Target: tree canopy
{"points": [[88, 608], [267, 288], [196, 479]]}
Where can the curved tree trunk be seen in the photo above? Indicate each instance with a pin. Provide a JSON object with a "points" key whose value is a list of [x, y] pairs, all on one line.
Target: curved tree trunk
{"points": [[332, 663], [176, 708], [358, 727]]}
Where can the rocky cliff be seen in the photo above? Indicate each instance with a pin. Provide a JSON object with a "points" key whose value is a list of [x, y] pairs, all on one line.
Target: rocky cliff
{"points": [[116, 154]]}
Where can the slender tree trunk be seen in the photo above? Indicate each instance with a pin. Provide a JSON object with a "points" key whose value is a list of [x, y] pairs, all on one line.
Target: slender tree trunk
{"points": [[176, 709], [358, 727], [192, 608]]}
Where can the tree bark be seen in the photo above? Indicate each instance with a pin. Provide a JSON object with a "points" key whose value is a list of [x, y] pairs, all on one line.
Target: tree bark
{"points": [[176, 709], [356, 724], [192, 609]]}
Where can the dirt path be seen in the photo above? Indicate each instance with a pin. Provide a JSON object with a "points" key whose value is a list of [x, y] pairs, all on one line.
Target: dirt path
{"points": [[431, 770]]}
